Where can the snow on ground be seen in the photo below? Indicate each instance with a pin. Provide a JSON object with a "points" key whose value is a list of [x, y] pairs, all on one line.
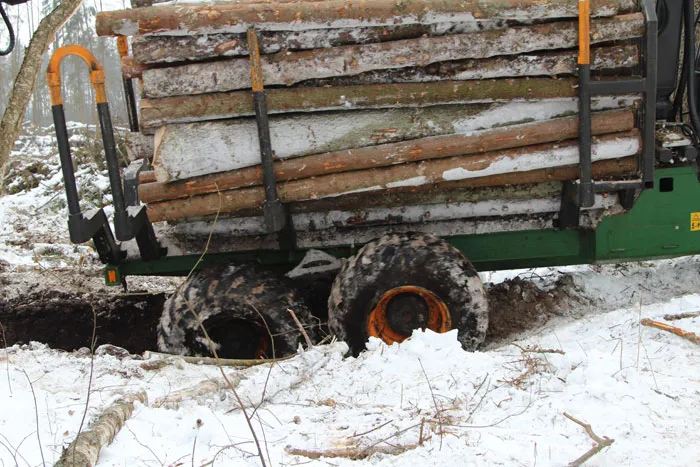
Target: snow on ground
{"points": [[635, 384]]}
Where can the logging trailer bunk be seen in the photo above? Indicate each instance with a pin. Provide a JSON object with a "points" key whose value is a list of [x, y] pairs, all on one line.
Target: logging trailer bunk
{"points": [[400, 277]]}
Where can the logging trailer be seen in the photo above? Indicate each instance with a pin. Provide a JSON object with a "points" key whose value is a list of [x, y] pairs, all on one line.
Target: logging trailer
{"points": [[413, 246]]}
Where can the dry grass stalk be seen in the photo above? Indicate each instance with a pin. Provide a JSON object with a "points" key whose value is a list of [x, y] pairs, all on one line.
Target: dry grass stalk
{"points": [[691, 336], [601, 443], [301, 328]]}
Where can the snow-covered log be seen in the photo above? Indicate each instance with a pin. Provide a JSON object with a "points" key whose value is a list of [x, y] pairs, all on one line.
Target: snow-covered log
{"points": [[287, 68], [525, 159], [237, 17], [386, 154]]}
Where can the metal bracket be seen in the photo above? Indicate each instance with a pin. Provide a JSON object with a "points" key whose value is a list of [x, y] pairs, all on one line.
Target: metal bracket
{"points": [[131, 181]]}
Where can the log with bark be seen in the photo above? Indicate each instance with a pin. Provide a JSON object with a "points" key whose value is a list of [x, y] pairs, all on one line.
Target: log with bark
{"points": [[181, 109], [138, 146], [287, 68], [525, 159], [172, 49], [237, 17], [393, 153]]}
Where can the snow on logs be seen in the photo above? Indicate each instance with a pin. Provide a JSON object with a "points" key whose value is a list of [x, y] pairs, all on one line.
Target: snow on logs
{"points": [[370, 98]]}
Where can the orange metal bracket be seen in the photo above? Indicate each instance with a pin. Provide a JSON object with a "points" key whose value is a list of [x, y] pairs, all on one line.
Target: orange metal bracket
{"points": [[53, 73], [584, 32], [122, 46], [255, 66]]}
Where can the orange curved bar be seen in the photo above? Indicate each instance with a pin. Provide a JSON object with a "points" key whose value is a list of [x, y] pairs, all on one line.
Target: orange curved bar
{"points": [[584, 32], [53, 73]]}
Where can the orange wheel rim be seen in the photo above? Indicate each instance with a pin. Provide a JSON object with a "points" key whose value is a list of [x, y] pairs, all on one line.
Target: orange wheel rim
{"points": [[378, 322]]}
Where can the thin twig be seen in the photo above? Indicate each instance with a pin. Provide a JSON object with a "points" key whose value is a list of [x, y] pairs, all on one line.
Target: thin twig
{"points": [[538, 349], [601, 443], [223, 361], [437, 409], [92, 367], [212, 347], [301, 328], [7, 358], [373, 429], [36, 414]]}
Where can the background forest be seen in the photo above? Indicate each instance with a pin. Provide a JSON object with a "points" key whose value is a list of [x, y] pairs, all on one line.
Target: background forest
{"points": [[78, 94]]}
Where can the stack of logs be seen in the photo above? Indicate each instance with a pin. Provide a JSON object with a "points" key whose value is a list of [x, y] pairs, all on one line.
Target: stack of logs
{"points": [[386, 97]]}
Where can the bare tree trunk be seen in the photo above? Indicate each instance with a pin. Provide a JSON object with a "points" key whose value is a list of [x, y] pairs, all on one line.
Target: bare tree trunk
{"points": [[26, 78]]}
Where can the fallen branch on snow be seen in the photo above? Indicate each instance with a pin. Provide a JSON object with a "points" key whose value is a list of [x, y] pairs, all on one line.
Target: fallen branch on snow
{"points": [[601, 443], [169, 359], [672, 329], [690, 314], [86, 447], [194, 393], [350, 453]]}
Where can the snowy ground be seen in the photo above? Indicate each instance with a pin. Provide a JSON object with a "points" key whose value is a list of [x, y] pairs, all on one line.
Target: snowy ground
{"points": [[425, 402]]}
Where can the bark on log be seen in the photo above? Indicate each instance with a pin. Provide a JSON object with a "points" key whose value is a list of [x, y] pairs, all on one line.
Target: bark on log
{"points": [[393, 153], [410, 174], [287, 68], [462, 190], [200, 393], [181, 109], [85, 450], [523, 65], [173, 49], [185, 19]]}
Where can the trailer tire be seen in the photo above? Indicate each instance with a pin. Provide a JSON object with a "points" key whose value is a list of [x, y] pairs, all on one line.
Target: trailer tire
{"points": [[241, 307], [450, 293]]}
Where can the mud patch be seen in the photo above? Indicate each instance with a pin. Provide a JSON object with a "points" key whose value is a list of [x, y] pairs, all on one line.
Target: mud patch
{"points": [[64, 320], [518, 306]]}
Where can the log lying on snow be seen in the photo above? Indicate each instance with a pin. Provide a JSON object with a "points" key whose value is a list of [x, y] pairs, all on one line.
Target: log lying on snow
{"points": [[237, 17], [170, 49], [157, 112], [287, 68], [393, 153], [410, 174]]}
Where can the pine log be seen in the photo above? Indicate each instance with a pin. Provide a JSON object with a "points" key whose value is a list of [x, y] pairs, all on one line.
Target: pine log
{"points": [[173, 49], [393, 153], [181, 109], [410, 174], [237, 17], [287, 68]]}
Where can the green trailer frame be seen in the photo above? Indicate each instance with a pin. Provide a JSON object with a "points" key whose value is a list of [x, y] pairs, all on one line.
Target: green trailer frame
{"points": [[664, 223]]}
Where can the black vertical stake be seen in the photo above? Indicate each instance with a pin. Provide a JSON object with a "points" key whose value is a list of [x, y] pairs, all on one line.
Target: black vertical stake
{"points": [[650, 81], [585, 196], [276, 218], [131, 104]]}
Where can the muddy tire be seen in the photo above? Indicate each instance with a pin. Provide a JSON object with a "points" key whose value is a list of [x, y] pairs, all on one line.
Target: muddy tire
{"points": [[379, 275], [237, 304]]}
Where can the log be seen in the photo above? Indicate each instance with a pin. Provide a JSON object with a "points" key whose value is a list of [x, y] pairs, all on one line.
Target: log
{"points": [[180, 109], [85, 450], [173, 49], [189, 150], [138, 146], [287, 68], [523, 65], [410, 174], [237, 17], [393, 153]]}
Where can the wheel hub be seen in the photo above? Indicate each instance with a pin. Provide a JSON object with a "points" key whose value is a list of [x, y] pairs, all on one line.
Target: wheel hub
{"points": [[403, 309]]}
